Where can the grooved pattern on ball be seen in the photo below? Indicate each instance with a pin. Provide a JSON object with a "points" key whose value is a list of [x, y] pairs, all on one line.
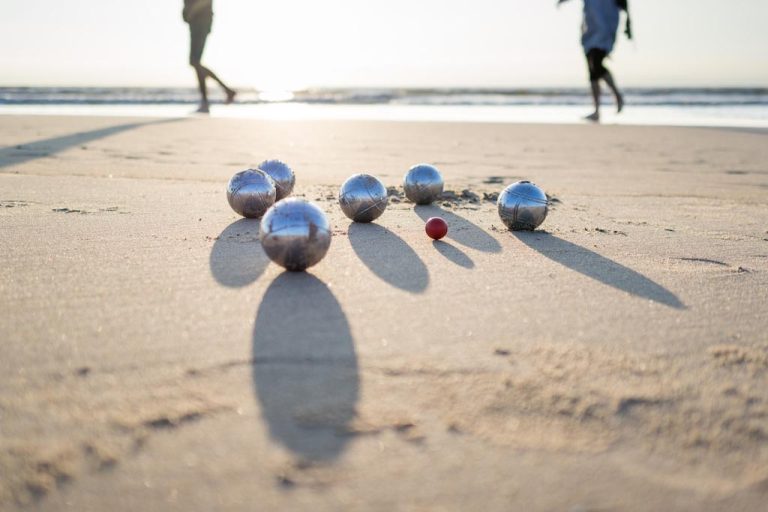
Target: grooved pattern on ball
{"points": [[295, 234], [282, 175], [423, 184], [522, 206], [250, 193], [363, 198]]}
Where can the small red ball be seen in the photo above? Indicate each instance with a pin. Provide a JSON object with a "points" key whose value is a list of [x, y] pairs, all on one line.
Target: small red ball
{"points": [[436, 228]]}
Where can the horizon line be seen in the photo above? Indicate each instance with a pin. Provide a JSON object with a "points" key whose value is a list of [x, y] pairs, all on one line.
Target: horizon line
{"points": [[391, 87]]}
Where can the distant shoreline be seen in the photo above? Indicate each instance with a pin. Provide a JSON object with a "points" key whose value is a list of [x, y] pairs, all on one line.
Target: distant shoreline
{"points": [[548, 96], [713, 116]]}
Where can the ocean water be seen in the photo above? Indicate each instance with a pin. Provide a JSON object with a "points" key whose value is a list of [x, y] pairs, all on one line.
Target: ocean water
{"points": [[732, 107]]}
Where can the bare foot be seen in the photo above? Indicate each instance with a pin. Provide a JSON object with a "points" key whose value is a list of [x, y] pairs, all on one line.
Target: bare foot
{"points": [[594, 117], [203, 109], [230, 96], [619, 103]]}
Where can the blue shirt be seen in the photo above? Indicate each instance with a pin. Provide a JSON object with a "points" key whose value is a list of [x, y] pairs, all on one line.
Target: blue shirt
{"points": [[601, 20]]}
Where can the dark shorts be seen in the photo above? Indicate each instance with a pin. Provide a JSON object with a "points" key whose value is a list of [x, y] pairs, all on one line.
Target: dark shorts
{"points": [[595, 58], [198, 33]]}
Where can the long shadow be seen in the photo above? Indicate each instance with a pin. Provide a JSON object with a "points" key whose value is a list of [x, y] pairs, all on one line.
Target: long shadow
{"points": [[305, 370], [20, 153], [598, 267], [389, 257], [237, 258], [454, 254], [460, 229]]}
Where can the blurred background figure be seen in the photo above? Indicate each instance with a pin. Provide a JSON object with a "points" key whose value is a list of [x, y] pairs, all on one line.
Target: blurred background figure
{"points": [[199, 15], [601, 21]]}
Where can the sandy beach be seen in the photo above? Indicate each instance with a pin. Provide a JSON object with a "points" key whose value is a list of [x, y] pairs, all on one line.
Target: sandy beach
{"points": [[153, 359]]}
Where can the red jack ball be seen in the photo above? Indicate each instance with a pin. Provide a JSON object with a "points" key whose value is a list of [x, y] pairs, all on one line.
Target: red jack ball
{"points": [[436, 228]]}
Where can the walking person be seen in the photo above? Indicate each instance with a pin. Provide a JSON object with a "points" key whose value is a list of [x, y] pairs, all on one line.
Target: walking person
{"points": [[199, 15], [601, 21]]}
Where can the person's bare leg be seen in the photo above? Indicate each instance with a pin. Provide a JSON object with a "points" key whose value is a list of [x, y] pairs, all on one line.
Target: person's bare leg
{"points": [[608, 77], [201, 72], [595, 116], [227, 90]]}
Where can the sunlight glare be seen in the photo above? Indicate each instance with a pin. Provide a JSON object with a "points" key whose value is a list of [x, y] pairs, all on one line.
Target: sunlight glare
{"points": [[273, 96]]}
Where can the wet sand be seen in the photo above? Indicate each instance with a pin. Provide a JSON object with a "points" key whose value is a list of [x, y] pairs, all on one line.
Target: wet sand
{"points": [[153, 359]]}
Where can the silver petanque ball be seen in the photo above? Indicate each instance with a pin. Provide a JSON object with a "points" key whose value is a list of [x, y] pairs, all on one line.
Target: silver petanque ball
{"points": [[522, 206], [423, 184], [295, 234], [363, 198], [281, 174], [250, 193]]}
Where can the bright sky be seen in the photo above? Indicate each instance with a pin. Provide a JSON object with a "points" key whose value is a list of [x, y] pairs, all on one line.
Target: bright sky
{"points": [[288, 44]]}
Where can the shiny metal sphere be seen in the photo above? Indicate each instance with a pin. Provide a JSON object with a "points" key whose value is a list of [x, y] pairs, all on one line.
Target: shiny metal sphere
{"points": [[423, 184], [363, 198], [251, 192], [522, 206], [295, 233], [282, 175]]}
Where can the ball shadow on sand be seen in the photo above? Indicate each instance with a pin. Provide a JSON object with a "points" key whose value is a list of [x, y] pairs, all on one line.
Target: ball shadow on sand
{"points": [[237, 258], [389, 257], [305, 370], [453, 253], [598, 267], [460, 230]]}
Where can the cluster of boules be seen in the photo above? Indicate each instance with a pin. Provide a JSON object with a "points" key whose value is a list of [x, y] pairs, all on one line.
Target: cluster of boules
{"points": [[296, 234]]}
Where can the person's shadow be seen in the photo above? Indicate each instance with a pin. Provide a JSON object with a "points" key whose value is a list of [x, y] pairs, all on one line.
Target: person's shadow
{"points": [[597, 267], [237, 258], [305, 369], [20, 153], [389, 257], [460, 229]]}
